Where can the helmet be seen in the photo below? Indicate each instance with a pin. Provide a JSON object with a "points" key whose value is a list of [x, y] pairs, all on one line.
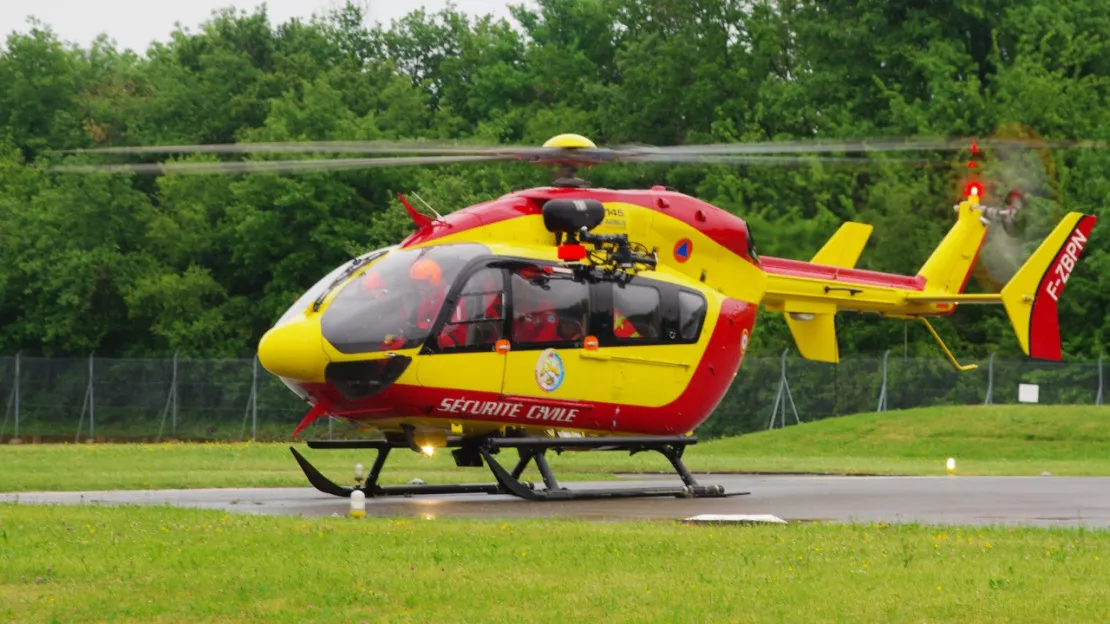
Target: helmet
{"points": [[372, 281], [426, 270]]}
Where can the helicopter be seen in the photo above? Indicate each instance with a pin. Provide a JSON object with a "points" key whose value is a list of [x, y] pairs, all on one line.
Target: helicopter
{"points": [[568, 317]]}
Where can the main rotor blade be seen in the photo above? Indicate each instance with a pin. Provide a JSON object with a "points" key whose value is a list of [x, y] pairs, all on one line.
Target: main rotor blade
{"points": [[739, 159], [614, 153], [273, 166], [574, 157], [336, 147], [871, 145]]}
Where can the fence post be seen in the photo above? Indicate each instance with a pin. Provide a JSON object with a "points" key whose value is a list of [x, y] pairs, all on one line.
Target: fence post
{"points": [[990, 381], [171, 402], [784, 387], [882, 394], [254, 400], [92, 398], [16, 439], [1098, 397], [173, 397]]}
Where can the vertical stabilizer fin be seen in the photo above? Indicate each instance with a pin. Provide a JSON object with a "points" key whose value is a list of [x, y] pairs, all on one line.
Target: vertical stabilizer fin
{"points": [[1030, 297]]}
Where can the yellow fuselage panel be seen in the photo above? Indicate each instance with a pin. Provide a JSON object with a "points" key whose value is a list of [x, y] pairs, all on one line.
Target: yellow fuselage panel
{"points": [[723, 270]]}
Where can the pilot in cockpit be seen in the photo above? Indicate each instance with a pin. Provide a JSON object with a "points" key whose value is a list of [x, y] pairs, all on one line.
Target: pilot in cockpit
{"points": [[413, 304], [430, 291]]}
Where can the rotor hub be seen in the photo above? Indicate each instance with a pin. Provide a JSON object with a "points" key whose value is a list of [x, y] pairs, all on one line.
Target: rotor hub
{"points": [[570, 141]]}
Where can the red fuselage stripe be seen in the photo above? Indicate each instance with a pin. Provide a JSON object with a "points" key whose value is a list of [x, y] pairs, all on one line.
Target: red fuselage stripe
{"points": [[724, 228], [798, 268]]}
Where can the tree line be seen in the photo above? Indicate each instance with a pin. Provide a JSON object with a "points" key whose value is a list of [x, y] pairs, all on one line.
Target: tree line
{"points": [[130, 265]]}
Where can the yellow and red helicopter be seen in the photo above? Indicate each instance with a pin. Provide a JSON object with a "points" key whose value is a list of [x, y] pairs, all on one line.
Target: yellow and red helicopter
{"points": [[570, 317]]}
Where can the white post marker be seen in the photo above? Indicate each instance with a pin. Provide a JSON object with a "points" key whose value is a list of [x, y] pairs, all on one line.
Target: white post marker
{"points": [[358, 504], [950, 466], [1029, 393], [358, 473]]}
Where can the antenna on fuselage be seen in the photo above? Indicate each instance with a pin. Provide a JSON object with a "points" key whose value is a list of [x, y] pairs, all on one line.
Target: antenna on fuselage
{"points": [[439, 217]]}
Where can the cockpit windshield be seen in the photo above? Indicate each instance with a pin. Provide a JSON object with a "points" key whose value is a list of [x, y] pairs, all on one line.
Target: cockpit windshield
{"points": [[321, 288], [395, 302]]}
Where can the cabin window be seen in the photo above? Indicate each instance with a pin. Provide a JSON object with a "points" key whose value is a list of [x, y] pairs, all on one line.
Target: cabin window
{"points": [[548, 308], [478, 319], [691, 314], [636, 314]]}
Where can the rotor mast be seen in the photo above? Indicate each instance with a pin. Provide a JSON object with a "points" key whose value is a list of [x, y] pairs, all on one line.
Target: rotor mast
{"points": [[566, 172]]}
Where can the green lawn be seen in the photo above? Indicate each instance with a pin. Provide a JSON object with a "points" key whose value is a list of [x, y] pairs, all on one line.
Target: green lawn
{"points": [[986, 439], [176, 565], [999, 440]]}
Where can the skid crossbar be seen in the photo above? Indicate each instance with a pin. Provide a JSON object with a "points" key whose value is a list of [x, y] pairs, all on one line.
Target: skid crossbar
{"points": [[529, 449]]}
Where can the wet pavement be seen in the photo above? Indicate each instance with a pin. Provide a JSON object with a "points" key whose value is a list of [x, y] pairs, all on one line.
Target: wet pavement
{"points": [[1044, 501]]}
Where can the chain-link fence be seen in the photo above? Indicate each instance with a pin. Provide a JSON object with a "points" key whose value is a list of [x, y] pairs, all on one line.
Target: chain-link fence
{"points": [[773, 392], [60, 399]]}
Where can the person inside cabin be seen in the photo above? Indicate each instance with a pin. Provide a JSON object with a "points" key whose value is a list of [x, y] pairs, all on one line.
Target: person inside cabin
{"points": [[491, 307], [413, 306], [427, 278], [569, 327], [373, 283], [478, 315], [552, 311], [537, 323], [374, 286], [534, 317]]}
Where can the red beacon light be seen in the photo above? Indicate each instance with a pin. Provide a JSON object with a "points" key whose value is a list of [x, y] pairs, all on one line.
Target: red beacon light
{"points": [[572, 252], [974, 190]]}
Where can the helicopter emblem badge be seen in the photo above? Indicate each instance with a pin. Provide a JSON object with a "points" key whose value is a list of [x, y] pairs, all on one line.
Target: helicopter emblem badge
{"points": [[549, 370]]}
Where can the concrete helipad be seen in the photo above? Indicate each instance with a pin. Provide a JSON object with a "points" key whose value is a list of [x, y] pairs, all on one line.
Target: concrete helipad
{"points": [[1046, 501]]}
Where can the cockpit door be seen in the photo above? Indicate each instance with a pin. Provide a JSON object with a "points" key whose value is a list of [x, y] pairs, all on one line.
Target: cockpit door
{"points": [[461, 360]]}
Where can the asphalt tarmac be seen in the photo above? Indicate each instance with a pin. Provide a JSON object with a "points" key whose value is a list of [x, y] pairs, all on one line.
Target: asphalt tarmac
{"points": [[1042, 501]]}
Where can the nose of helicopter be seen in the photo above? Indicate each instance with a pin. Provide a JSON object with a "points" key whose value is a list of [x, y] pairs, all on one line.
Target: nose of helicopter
{"points": [[294, 350]]}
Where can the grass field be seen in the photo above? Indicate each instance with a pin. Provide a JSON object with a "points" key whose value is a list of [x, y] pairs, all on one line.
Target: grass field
{"points": [[161, 564], [175, 565], [985, 440]]}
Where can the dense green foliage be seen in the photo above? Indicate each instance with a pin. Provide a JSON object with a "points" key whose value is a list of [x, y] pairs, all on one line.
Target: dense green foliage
{"points": [[133, 265]]}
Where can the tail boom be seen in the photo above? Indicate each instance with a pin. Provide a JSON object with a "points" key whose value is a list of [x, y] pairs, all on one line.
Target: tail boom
{"points": [[810, 294]]}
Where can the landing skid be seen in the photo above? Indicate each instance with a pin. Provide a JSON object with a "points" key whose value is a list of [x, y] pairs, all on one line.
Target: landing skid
{"points": [[477, 452]]}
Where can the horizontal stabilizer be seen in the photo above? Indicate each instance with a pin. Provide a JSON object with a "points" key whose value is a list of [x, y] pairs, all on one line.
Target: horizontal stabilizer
{"points": [[954, 298], [1031, 295], [815, 335], [844, 248]]}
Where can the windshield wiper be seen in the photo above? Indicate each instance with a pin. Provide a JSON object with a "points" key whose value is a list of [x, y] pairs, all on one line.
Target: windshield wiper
{"points": [[354, 266]]}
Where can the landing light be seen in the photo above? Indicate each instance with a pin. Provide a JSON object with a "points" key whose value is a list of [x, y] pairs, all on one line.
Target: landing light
{"points": [[428, 450]]}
